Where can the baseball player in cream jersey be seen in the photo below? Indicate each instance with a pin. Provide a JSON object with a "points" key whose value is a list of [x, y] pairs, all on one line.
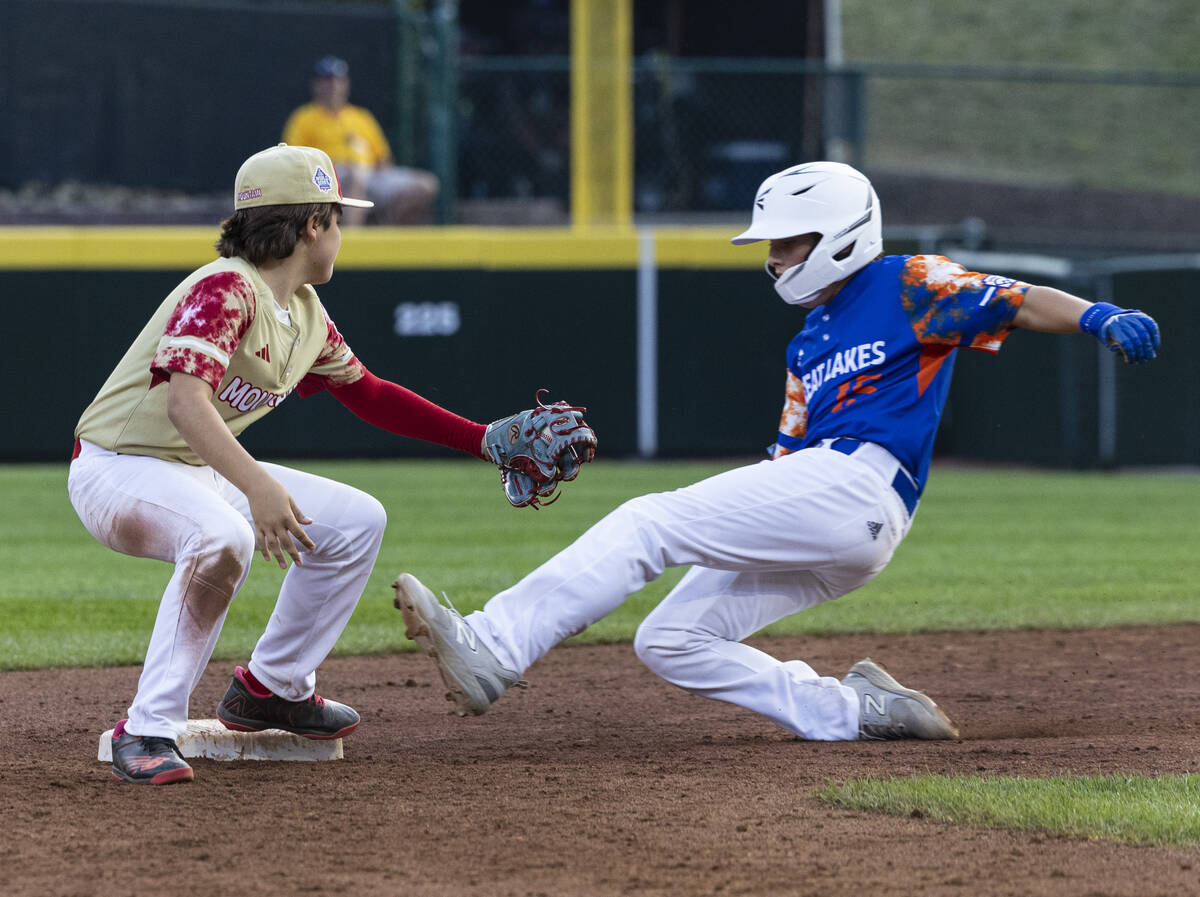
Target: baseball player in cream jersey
{"points": [[158, 471], [867, 377]]}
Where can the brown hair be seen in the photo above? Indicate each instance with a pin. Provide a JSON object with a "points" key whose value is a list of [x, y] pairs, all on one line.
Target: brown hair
{"points": [[271, 232]]}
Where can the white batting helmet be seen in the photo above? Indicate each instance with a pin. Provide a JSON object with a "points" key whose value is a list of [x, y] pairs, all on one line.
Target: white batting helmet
{"points": [[826, 198]]}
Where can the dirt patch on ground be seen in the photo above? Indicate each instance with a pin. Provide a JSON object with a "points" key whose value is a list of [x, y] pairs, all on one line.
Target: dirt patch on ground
{"points": [[602, 780]]}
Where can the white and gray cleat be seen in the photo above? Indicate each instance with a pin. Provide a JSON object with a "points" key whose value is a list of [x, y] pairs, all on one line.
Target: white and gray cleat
{"points": [[474, 677], [888, 710]]}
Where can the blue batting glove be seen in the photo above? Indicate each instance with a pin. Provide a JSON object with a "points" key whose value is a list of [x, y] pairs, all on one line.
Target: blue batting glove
{"points": [[1126, 330], [1133, 334]]}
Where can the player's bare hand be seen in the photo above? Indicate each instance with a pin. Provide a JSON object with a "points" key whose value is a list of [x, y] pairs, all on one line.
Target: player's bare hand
{"points": [[278, 524]]}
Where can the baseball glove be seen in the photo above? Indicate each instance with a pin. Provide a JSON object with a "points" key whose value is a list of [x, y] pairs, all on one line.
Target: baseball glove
{"points": [[538, 449]]}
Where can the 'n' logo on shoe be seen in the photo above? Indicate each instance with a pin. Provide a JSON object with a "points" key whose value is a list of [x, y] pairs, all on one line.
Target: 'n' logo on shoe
{"points": [[874, 705], [465, 633]]}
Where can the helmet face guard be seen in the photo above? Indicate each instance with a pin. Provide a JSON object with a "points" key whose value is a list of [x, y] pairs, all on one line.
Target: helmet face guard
{"points": [[830, 199], [793, 285]]}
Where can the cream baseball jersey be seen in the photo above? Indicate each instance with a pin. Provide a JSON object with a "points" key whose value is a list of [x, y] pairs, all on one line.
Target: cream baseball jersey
{"points": [[223, 325]]}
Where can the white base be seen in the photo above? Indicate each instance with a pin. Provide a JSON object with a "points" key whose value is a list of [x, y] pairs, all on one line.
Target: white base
{"points": [[208, 739]]}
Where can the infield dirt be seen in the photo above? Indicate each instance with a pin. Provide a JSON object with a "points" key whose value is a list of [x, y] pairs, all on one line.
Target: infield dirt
{"points": [[600, 779]]}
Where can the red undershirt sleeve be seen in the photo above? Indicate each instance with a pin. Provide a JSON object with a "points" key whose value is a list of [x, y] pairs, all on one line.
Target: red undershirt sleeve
{"points": [[398, 410]]}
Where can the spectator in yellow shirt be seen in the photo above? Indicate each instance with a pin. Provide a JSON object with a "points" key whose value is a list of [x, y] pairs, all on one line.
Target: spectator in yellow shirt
{"points": [[360, 152]]}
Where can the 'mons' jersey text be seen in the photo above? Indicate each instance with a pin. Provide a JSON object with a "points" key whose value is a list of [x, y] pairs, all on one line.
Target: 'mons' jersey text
{"points": [[221, 325], [874, 363]]}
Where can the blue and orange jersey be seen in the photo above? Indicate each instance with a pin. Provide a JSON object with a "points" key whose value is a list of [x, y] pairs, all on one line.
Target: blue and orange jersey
{"points": [[874, 363]]}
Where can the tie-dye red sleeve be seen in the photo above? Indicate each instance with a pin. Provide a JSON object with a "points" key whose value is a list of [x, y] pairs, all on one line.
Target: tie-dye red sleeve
{"points": [[335, 366], [203, 331]]}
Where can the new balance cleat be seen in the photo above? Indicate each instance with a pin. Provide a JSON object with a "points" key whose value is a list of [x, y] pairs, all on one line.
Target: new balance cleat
{"points": [[146, 759], [250, 707], [473, 675], [888, 710]]}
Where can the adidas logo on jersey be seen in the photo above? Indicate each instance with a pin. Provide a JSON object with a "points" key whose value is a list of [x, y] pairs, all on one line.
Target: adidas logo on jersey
{"points": [[264, 353], [873, 528]]}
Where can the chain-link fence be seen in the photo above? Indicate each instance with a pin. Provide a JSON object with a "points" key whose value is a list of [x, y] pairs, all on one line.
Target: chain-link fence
{"points": [[1064, 150], [705, 129], [1073, 157], [701, 138]]}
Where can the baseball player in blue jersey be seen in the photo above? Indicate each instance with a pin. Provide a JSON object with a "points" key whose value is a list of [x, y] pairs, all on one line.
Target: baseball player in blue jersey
{"points": [[867, 378]]}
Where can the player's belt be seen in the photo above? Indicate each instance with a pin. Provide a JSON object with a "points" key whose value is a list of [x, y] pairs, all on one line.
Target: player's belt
{"points": [[902, 483]]}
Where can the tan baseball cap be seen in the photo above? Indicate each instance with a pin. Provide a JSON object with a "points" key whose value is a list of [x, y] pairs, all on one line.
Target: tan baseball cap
{"points": [[288, 176]]}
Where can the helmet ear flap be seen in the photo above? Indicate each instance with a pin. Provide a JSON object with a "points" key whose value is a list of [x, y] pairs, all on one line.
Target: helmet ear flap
{"points": [[844, 253]]}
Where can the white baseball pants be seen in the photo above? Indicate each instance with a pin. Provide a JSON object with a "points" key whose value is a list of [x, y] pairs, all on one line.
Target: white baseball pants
{"points": [[194, 518], [764, 541]]}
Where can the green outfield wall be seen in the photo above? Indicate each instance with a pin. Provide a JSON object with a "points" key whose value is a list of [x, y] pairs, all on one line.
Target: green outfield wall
{"points": [[674, 340]]}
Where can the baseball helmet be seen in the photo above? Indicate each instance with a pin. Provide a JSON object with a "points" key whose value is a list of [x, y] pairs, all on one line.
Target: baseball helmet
{"points": [[826, 198]]}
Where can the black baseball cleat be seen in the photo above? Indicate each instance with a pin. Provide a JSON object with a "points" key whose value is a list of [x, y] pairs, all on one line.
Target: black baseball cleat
{"points": [[146, 759], [245, 708]]}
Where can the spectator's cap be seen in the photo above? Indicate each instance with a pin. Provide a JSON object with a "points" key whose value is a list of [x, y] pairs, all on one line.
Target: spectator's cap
{"points": [[289, 176], [331, 67]]}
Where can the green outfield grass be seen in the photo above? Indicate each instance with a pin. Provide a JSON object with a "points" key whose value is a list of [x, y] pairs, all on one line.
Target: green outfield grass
{"points": [[1130, 809], [989, 549]]}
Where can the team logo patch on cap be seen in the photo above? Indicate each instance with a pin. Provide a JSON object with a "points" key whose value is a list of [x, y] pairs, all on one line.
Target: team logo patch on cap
{"points": [[322, 179], [249, 194]]}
